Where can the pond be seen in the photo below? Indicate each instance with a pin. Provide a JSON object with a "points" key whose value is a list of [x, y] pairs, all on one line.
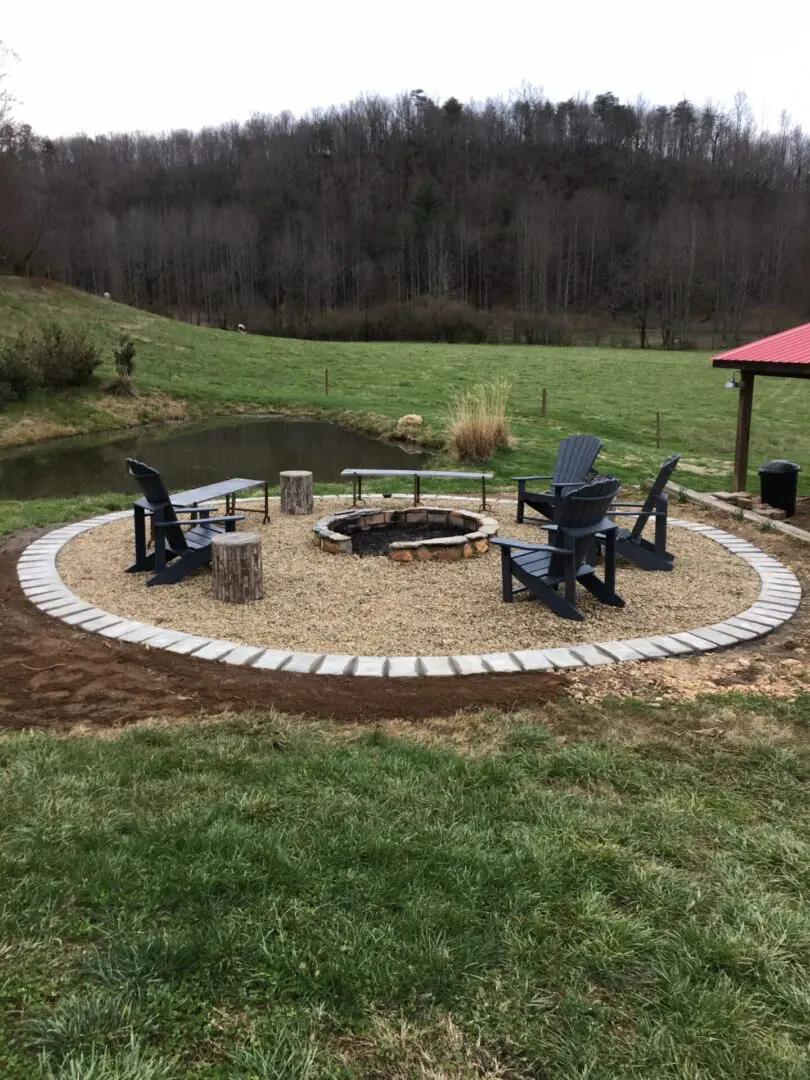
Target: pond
{"points": [[190, 455]]}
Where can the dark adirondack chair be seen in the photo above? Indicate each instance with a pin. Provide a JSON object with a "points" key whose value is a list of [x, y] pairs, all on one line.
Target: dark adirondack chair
{"points": [[180, 546], [630, 544], [575, 458], [541, 569]]}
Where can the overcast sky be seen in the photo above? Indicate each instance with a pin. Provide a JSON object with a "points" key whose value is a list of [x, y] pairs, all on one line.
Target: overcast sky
{"points": [[98, 67]]}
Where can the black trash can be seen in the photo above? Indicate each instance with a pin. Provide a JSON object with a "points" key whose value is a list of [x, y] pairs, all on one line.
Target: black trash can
{"points": [[778, 481]]}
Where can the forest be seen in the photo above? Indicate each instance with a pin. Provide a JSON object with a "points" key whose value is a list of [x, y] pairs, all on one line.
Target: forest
{"points": [[515, 219]]}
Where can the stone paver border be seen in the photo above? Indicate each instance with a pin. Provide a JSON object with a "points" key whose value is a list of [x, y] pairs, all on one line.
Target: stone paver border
{"points": [[777, 603]]}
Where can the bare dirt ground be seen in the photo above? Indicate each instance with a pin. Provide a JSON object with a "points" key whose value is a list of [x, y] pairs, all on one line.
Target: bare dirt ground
{"points": [[52, 676]]}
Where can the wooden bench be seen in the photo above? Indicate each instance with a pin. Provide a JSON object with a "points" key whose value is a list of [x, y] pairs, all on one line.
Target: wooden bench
{"points": [[418, 476]]}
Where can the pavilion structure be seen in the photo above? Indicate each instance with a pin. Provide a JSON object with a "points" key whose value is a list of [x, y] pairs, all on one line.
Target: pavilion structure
{"points": [[785, 355]]}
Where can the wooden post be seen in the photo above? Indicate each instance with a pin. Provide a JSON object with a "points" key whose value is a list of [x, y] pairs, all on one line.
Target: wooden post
{"points": [[658, 429], [296, 492], [545, 402], [743, 431], [326, 380], [236, 561]]}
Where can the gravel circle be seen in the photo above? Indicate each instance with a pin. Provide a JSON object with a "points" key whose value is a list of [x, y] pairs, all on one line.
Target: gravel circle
{"points": [[317, 602]]}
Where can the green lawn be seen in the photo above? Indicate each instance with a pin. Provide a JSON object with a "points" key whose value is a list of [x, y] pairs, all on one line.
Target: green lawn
{"points": [[614, 393], [260, 899]]}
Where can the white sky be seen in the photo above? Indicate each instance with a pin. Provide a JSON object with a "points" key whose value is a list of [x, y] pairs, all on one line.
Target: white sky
{"points": [[98, 67]]}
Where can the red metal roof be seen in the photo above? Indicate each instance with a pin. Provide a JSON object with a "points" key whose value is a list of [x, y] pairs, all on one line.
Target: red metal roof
{"points": [[789, 347]]}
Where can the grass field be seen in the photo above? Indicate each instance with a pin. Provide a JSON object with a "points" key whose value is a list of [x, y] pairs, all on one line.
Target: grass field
{"points": [[186, 370], [260, 900]]}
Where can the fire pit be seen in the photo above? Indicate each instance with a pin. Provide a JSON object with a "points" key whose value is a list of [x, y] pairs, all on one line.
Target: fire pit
{"points": [[413, 535]]}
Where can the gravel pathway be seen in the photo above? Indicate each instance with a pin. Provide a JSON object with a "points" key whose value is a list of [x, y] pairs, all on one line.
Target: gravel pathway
{"points": [[316, 602]]}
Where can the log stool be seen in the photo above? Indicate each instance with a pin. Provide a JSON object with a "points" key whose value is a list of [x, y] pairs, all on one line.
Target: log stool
{"points": [[296, 492], [236, 560]]}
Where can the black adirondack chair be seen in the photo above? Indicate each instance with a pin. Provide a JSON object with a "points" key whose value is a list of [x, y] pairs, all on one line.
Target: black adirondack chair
{"points": [[630, 544], [541, 569], [180, 546], [575, 458]]}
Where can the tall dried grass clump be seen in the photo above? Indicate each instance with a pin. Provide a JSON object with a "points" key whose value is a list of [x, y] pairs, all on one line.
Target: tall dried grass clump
{"points": [[478, 421]]}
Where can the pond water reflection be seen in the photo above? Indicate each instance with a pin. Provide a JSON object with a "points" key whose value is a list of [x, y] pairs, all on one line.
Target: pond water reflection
{"points": [[190, 455]]}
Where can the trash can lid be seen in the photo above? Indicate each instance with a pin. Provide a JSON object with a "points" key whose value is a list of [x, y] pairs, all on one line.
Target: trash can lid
{"points": [[779, 465]]}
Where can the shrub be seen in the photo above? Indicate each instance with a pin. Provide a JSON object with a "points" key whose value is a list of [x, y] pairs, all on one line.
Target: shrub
{"points": [[19, 376], [124, 368], [478, 422], [65, 355]]}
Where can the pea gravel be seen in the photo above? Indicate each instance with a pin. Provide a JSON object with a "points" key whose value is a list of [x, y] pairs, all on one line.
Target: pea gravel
{"points": [[317, 602]]}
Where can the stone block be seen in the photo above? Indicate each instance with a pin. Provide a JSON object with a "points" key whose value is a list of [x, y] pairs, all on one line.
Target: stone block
{"points": [[481, 547], [771, 512], [423, 553], [214, 650], [620, 651], [592, 656], [437, 665], [563, 658], [373, 666], [503, 663], [533, 660], [334, 664], [467, 551], [401, 554], [300, 662], [270, 659], [241, 655], [448, 554], [400, 667], [470, 664]]}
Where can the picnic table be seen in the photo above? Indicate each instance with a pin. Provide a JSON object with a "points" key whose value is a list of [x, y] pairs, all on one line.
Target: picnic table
{"points": [[418, 475], [227, 489]]}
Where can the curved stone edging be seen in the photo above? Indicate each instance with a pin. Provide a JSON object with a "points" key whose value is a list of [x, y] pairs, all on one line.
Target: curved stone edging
{"points": [[777, 603]]}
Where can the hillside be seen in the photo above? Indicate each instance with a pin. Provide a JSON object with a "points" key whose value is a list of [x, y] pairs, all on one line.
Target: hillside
{"points": [[185, 370]]}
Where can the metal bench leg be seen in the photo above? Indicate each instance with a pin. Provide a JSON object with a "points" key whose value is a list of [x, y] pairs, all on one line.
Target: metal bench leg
{"points": [[417, 490], [266, 502], [484, 505]]}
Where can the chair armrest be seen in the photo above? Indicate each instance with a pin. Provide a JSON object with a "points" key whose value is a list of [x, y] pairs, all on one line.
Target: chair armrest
{"points": [[638, 505], [528, 547], [532, 477], [203, 521]]}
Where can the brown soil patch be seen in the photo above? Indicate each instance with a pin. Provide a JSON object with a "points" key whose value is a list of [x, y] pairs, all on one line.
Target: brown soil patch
{"points": [[316, 602], [52, 676]]}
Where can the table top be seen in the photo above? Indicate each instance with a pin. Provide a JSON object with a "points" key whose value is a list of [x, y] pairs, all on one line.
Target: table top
{"points": [[209, 491]]}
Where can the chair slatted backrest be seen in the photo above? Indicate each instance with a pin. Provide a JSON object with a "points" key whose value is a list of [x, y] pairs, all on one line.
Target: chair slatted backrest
{"points": [[575, 458], [159, 499], [583, 508], [658, 485]]}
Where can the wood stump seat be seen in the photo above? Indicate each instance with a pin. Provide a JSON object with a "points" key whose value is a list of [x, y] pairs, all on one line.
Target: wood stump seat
{"points": [[236, 562]]}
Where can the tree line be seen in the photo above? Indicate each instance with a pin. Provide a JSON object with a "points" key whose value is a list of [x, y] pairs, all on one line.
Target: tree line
{"points": [[515, 219]]}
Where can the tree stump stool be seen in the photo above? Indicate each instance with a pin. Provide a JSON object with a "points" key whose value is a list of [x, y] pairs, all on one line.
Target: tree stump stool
{"points": [[236, 560], [296, 492]]}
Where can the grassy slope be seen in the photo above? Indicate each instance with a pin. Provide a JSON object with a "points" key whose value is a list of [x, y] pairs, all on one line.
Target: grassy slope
{"points": [[614, 393], [261, 900]]}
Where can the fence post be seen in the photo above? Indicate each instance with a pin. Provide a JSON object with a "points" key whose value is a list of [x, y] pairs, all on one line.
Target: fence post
{"points": [[326, 381], [544, 402], [658, 429]]}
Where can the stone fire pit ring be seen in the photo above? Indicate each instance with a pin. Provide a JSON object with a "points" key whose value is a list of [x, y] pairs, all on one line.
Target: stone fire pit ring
{"points": [[334, 534]]}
